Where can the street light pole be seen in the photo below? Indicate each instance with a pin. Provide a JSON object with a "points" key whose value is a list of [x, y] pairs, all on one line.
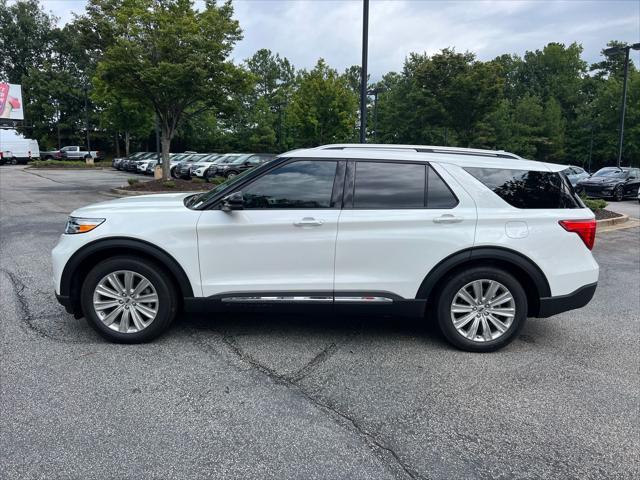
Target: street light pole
{"points": [[375, 92], [86, 112], [613, 51], [363, 71], [624, 104]]}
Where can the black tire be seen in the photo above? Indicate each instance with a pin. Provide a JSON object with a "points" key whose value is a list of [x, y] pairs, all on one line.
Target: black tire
{"points": [[173, 173], [167, 306], [618, 193], [14, 161], [457, 281], [231, 174], [48, 157]]}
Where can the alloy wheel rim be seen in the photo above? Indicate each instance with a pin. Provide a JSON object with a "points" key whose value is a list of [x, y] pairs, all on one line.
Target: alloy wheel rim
{"points": [[483, 310], [125, 301]]}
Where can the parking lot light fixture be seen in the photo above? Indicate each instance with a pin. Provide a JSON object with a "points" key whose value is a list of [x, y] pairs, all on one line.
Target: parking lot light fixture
{"points": [[615, 51]]}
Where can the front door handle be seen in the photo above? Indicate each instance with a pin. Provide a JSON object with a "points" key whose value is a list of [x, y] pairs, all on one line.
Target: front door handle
{"points": [[448, 218], [308, 222]]}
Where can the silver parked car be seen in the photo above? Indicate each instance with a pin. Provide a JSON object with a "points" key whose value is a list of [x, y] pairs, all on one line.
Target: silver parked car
{"points": [[575, 174]]}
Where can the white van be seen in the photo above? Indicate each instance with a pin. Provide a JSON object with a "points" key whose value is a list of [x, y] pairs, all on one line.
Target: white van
{"points": [[22, 149]]}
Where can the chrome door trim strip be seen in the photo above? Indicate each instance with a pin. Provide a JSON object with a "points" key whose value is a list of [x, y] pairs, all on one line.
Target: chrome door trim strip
{"points": [[276, 299], [372, 299]]}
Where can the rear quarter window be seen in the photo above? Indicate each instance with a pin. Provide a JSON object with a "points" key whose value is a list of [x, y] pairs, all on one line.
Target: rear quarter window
{"points": [[528, 189]]}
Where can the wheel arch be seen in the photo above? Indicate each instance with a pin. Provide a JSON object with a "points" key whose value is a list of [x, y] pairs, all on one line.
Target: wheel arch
{"points": [[531, 277], [81, 262]]}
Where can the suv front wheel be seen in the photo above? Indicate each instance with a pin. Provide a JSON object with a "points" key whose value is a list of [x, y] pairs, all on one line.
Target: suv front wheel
{"points": [[481, 309], [128, 300]]}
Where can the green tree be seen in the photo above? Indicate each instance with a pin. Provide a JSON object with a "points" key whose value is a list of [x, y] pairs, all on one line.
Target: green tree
{"points": [[25, 38], [323, 108], [169, 55]]}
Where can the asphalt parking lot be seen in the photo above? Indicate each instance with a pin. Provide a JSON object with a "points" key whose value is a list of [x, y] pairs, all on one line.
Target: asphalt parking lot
{"points": [[288, 397]]}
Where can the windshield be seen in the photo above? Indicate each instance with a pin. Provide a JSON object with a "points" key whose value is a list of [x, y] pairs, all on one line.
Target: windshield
{"points": [[200, 199], [240, 159], [228, 158], [208, 158], [610, 172]]}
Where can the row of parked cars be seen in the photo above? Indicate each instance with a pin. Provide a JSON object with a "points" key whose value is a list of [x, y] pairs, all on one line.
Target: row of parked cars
{"points": [[190, 164], [616, 183]]}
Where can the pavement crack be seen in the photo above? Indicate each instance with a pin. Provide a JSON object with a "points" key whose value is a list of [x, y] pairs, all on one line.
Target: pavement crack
{"points": [[25, 170], [392, 460], [325, 354], [19, 288]]}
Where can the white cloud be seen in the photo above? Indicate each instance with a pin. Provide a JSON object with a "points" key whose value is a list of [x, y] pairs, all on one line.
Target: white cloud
{"points": [[304, 30]]}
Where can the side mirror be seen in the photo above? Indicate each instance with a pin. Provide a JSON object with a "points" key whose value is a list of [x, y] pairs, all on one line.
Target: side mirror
{"points": [[231, 202]]}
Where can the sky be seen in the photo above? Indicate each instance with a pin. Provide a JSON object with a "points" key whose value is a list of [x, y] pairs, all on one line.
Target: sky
{"points": [[305, 30]]}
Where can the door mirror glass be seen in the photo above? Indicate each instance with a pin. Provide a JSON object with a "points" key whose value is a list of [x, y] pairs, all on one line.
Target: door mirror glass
{"points": [[234, 201]]}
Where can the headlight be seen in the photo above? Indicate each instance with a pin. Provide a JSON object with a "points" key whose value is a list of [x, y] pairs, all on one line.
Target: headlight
{"points": [[81, 225]]}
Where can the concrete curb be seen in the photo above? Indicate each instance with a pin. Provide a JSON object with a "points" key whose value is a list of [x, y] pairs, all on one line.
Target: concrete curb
{"points": [[67, 168], [612, 221], [133, 193]]}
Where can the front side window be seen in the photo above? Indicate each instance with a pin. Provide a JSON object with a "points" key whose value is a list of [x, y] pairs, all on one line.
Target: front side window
{"points": [[528, 188], [301, 184]]}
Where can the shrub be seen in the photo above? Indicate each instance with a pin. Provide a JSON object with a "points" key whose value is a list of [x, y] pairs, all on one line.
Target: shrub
{"points": [[594, 204], [133, 181], [66, 164], [169, 184], [217, 180], [197, 180]]}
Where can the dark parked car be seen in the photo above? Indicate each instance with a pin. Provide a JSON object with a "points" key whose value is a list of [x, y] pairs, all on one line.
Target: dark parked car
{"points": [[611, 182], [50, 155], [232, 166], [184, 169], [117, 162], [131, 165]]}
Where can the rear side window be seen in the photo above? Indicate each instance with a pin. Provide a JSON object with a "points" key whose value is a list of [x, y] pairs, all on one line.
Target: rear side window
{"points": [[528, 188], [394, 185], [438, 193]]}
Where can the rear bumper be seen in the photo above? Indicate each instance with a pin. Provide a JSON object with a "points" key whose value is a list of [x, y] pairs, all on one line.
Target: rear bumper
{"points": [[553, 305]]}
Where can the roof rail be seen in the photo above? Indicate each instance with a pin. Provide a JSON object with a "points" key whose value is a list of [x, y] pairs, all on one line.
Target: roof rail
{"points": [[422, 149]]}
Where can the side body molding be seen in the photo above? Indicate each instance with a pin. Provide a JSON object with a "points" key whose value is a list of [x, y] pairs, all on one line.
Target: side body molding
{"points": [[113, 245], [485, 253]]}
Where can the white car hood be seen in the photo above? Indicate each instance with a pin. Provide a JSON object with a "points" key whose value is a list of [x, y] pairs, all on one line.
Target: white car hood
{"points": [[162, 201]]}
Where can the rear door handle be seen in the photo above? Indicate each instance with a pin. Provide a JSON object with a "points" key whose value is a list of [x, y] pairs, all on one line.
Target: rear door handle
{"points": [[308, 222], [448, 218]]}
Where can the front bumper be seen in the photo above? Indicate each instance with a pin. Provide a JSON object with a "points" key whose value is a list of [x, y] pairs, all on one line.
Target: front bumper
{"points": [[550, 306], [596, 192]]}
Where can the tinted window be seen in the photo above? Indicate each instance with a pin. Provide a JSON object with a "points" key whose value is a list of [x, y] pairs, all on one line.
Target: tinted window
{"points": [[528, 189], [610, 172], [303, 184], [438, 193], [389, 185]]}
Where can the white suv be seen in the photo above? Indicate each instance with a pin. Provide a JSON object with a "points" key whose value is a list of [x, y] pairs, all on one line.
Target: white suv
{"points": [[479, 240]]}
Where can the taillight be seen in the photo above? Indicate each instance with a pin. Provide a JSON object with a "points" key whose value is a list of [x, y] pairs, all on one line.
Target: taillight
{"points": [[586, 230]]}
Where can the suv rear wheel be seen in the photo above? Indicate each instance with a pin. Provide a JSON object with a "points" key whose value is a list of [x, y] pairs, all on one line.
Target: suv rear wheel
{"points": [[481, 309], [128, 300]]}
